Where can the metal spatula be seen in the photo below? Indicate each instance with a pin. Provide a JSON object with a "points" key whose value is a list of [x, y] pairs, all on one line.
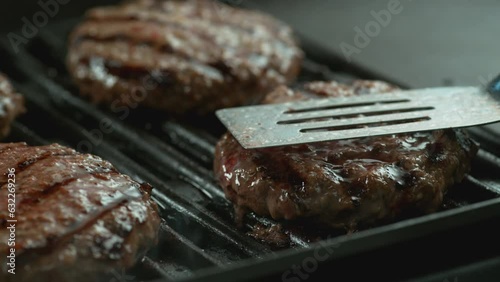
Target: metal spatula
{"points": [[361, 116]]}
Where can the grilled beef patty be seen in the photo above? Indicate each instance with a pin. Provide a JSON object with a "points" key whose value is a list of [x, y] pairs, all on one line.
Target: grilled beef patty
{"points": [[191, 56], [11, 105], [343, 184], [77, 217]]}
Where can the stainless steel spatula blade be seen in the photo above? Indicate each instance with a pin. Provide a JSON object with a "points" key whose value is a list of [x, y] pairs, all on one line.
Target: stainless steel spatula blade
{"points": [[360, 116]]}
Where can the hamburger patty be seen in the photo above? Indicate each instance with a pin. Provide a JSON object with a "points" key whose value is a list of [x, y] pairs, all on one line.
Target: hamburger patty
{"points": [[180, 56], [77, 217], [343, 184], [11, 105]]}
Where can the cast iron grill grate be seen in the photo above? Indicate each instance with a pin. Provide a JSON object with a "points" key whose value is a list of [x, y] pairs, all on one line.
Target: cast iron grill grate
{"points": [[198, 235]]}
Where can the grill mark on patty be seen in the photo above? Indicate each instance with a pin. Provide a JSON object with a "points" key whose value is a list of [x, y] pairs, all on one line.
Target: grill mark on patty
{"points": [[113, 66], [163, 18], [160, 26], [85, 33], [161, 76], [36, 197], [165, 46], [92, 217], [23, 165], [113, 40], [29, 161], [54, 241], [283, 172]]}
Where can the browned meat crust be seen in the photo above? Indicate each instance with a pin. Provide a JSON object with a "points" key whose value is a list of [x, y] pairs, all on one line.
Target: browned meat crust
{"points": [[343, 184], [180, 56], [11, 105], [77, 217]]}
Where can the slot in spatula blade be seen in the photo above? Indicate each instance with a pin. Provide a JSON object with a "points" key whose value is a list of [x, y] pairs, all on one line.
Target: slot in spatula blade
{"points": [[330, 119]]}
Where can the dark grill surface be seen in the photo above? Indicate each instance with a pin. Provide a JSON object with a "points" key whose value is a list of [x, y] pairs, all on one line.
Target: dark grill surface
{"points": [[198, 237]]}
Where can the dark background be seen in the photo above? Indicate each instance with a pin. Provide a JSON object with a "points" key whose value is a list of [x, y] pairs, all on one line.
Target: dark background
{"points": [[430, 43]]}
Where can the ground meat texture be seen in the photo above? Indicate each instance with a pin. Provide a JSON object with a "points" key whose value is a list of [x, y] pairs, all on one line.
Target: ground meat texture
{"points": [[11, 105], [343, 184], [190, 56], [77, 217]]}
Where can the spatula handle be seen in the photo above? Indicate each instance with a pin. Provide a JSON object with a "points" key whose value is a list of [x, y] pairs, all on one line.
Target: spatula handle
{"points": [[494, 87]]}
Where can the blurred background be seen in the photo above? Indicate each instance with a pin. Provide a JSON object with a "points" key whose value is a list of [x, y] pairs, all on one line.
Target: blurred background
{"points": [[425, 43], [428, 43]]}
